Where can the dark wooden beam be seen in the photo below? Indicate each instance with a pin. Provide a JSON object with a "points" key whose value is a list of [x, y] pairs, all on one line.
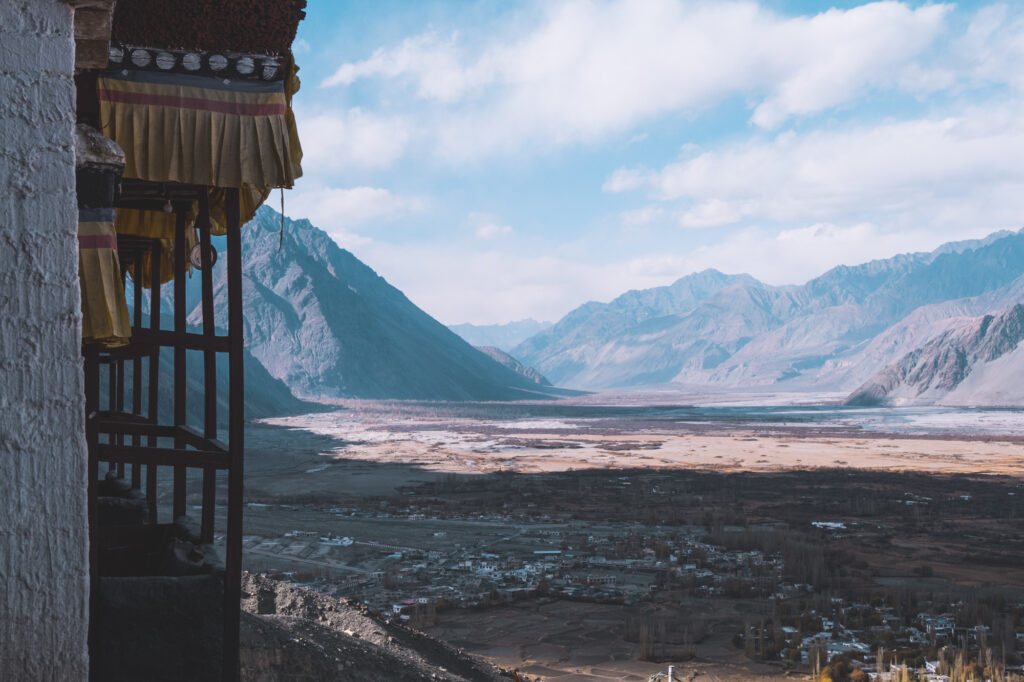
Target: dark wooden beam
{"points": [[192, 341], [136, 371], [169, 456], [154, 369], [209, 364], [180, 374], [236, 428]]}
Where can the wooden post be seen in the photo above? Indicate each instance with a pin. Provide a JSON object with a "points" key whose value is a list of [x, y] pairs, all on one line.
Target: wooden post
{"points": [[209, 366], [180, 377], [236, 425], [154, 371], [137, 368], [111, 402]]}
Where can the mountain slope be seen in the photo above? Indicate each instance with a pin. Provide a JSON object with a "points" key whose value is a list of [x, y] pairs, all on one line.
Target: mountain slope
{"points": [[740, 333], [328, 326], [507, 360], [938, 370], [577, 341]]}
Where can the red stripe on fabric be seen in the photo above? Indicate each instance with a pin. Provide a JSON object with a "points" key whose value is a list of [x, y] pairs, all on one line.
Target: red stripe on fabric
{"points": [[97, 241], [238, 108]]}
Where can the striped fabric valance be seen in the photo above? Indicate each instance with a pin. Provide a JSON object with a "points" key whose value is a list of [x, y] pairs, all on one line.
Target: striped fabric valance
{"points": [[176, 127], [104, 310]]}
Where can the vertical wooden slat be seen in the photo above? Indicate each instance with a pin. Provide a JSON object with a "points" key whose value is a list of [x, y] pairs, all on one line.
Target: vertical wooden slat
{"points": [[236, 424], [119, 380], [209, 366], [179, 354], [136, 370], [154, 372], [111, 401]]}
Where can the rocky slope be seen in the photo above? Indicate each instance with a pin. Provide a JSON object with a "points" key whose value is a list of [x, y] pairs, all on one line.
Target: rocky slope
{"points": [[328, 326], [716, 330], [980, 361], [507, 360], [297, 635], [504, 336]]}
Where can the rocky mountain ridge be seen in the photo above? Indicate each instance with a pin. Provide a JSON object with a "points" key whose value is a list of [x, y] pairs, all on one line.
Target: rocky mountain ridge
{"points": [[938, 371], [503, 336], [519, 368], [733, 332]]}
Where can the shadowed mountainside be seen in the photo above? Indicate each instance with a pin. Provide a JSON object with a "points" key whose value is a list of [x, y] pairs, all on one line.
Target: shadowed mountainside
{"points": [[519, 368], [330, 327]]}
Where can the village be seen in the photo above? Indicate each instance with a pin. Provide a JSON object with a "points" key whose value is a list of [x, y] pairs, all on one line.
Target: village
{"points": [[414, 567]]}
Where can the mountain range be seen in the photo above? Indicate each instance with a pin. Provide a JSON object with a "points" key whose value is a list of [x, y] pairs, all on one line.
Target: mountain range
{"points": [[504, 336], [321, 324], [733, 332]]}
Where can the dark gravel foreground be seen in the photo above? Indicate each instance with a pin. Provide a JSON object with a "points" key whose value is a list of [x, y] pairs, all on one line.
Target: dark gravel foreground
{"points": [[294, 634]]}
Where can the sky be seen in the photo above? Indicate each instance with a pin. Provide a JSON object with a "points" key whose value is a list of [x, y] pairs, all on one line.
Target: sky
{"points": [[502, 160]]}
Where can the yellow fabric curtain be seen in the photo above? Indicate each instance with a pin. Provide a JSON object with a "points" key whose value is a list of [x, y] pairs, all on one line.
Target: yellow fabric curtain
{"points": [[201, 130], [104, 310]]}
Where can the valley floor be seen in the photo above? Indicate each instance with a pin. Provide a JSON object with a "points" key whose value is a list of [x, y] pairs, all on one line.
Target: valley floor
{"points": [[449, 515]]}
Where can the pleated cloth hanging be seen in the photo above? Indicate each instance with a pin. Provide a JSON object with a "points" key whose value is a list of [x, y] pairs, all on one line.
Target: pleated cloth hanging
{"points": [[201, 130], [104, 309]]}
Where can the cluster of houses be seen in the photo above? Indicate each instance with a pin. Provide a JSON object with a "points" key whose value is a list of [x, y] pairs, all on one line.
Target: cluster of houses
{"points": [[620, 563]]}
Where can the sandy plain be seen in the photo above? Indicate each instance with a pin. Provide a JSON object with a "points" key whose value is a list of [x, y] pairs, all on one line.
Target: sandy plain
{"points": [[444, 439]]}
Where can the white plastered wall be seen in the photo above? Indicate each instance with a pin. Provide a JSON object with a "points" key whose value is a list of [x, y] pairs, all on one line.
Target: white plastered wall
{"points": [[43, 513]]}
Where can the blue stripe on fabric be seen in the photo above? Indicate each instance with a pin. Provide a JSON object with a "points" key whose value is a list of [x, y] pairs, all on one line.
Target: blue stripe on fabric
{"points": [[95, 215], [192, 81]]}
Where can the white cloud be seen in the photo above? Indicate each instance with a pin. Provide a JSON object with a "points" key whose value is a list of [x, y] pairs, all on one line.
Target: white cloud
{"points": [[906, 172], [793, 256], [351, 138], [338, 210], [992, 48], [588, 68], [625, 179], [429, 60], [642, 216], [486, 286], [492, 231]]}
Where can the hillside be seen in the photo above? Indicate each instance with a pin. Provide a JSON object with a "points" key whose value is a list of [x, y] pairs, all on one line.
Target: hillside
{"points": [[980, 361], [291, 633], [328, 326], [733, 332], [519, 368]]}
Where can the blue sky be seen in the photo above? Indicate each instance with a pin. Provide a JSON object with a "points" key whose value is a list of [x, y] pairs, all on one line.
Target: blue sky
{"points": [[499, 160]]}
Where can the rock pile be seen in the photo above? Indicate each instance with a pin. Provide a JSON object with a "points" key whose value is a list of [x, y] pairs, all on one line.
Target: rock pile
{"points": [[291, 633]]}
